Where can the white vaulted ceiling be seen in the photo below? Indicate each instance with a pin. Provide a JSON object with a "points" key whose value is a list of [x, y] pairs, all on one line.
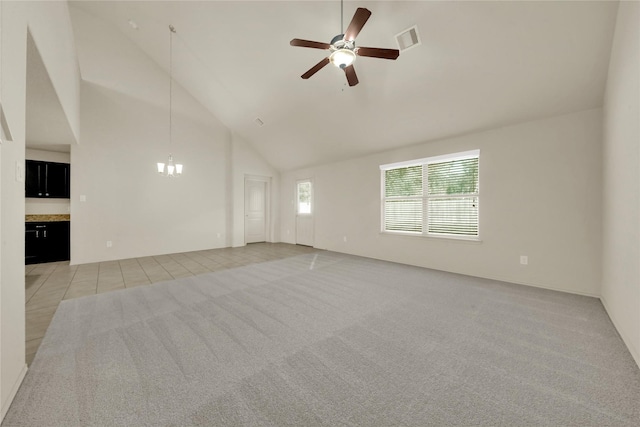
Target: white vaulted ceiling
{"points": [[480, 65], [47, 127]]}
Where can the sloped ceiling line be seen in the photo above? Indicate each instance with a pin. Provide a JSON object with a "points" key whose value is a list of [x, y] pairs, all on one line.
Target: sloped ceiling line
{"points": [[480, 65]]}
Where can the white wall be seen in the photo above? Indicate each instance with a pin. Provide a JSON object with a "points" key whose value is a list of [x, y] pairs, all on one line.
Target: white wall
{"points": [[621, 180], [49, 26], [247, 162], [540, 196], [127, 202], [124, 131], [35, 206], [47, 156]]}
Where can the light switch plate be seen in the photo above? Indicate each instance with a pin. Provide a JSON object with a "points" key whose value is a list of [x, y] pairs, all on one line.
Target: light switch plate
{"points": [[19, 171]]}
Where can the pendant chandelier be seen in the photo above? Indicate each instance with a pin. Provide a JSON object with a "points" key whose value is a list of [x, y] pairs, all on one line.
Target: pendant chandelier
{"points": [[170, 169]]}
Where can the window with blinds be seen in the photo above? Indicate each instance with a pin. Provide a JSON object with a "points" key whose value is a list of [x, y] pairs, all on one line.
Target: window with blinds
{"points": [[437, 196], [403, 199]]}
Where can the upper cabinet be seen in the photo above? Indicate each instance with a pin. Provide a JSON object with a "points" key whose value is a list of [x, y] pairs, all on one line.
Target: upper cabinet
{"points": [[47, 179]]}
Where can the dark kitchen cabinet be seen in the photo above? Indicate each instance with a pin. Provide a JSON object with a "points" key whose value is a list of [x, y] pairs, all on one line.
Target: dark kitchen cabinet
{"points": [[46, 242], [32, 181], [47, 179]]}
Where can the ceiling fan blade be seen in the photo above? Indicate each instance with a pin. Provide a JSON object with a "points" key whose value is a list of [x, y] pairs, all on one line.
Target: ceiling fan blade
{"points": [[315, 68], [375, 52], [309, 43], [357, 22], [351, 75]]}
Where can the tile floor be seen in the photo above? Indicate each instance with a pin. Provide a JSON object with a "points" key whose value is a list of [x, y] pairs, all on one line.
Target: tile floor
{"points": [[48, 284]]}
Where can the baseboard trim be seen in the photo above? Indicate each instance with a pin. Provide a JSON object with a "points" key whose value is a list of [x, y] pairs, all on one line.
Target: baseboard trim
{"points": [[14, 391], [634, 352], [550, 288], [488, 277]]}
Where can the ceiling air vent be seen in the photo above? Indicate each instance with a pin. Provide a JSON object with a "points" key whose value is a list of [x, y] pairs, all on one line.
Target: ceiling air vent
{"points": [[408, 38]]}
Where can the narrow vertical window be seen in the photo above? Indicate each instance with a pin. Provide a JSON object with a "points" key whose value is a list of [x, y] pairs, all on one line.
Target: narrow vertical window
{"points": [[304, 197]]}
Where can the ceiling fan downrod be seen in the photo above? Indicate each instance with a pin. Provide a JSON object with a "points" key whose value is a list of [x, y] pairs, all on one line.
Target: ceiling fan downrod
{"points": [[341, 18]]}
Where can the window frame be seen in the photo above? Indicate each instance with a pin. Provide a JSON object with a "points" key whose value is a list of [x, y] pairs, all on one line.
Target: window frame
{"points": [[311, 206], [425, 162]]}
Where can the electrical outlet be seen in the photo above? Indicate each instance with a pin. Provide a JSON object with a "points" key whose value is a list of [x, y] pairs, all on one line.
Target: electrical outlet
{"points": [[344, 239], [219, 235], [109, 243], [524, 260]]}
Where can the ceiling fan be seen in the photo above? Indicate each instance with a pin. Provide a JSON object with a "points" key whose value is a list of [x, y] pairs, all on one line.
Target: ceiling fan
{"points": [[343, 48]]}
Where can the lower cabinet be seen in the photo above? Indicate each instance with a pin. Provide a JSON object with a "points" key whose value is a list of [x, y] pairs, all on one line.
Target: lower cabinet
{"points": [[46, 242]]}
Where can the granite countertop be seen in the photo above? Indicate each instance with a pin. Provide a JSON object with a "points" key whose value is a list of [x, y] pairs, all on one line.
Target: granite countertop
{"points": [[47, 218]]}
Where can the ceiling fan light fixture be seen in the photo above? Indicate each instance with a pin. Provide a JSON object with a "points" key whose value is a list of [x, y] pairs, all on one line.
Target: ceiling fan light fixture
{"points": [[343, 48], [342, 58]]}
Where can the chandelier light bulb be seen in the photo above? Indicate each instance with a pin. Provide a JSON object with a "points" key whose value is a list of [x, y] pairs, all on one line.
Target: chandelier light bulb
{"points": [[170, 169]]}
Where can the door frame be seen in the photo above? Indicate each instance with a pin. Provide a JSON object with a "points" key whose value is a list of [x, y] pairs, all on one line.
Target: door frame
{"points": [[267, 206]]}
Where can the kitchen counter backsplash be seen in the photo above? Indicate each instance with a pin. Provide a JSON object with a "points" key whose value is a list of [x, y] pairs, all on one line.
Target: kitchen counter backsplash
{"points": [[47, 218]]}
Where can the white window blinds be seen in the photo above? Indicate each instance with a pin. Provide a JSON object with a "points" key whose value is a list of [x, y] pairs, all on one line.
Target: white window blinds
{"points": [[403, 199], [433, 196], [452, 197]]}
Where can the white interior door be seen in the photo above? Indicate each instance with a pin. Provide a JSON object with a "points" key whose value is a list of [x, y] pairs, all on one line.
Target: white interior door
{"points": [[304, 212], [255, 204]]}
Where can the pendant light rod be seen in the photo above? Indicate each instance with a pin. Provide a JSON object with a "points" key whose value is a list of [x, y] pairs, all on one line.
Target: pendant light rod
{"points": [[172, 31], [170, 168]]}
